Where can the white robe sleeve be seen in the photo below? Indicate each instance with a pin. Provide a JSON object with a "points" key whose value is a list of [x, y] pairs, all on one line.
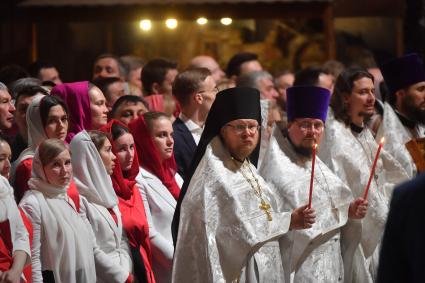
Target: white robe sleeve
{"points": [[30, 206], [106, 269], [162, 250]]}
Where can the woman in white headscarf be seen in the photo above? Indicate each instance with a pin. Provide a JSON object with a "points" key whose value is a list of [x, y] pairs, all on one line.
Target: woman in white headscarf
{"points": [[63, 244], [93, 163], [14, 241], [47, 118]]}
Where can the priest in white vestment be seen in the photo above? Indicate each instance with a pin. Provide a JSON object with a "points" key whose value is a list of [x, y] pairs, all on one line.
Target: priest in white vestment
{"points": [[349, 150], [404, 110], [325, 252], [230, 221]]}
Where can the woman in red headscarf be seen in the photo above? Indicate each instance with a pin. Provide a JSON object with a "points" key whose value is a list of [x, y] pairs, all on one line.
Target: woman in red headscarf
{"points": [[130, 203], [160, 185]]}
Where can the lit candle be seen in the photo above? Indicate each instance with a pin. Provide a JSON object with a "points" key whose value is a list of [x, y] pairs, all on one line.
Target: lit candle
{"points": [[372, 171], [313, 161]]}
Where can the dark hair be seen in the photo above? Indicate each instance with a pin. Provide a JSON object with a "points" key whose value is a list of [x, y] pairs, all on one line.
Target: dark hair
{"points": [[343, 88], [21, 84], [117, 131], [98, 138], [49, 149], [35, 68], [127, 99], [235, 63], [152, 116], [121, 68], [308, 76], [154, 72], [48, 102], [3, 139], [104, 83], [30, 91], [189, 82], [11, 73]]}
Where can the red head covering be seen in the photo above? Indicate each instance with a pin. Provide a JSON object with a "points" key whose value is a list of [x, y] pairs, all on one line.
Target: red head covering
{"points": [[123, 182], [131, 205], [156, 102], [150, 159], [76, 97]]}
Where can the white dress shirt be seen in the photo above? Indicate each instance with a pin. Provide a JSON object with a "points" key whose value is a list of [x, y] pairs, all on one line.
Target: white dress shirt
{"points": [[194, 128]]}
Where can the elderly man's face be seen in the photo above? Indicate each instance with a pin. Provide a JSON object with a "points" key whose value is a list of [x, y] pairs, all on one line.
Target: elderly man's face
{"points": [[267, 90], [240, 137], [6, 110], [304, 133]]}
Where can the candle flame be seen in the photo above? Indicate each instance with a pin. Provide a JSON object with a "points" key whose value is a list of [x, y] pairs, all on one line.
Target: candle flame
{"points": [[315, 146], [382, 140]]}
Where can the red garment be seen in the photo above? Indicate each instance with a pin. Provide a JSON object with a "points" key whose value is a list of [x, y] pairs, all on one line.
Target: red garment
{"points": [[156, 102], [6, 246], [27, 269], [131, 206], [23, 175], [150, 159]]}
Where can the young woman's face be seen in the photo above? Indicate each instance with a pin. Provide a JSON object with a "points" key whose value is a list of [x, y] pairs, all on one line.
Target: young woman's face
{"points": [[56, 123], [107, 156], [99, 111], [5, 156], [124, 146], [59, 170], [162, 136]]}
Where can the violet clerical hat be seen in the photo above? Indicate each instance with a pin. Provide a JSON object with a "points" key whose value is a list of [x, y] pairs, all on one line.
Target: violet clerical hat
{"points": [[402, 72], [307, 102]]}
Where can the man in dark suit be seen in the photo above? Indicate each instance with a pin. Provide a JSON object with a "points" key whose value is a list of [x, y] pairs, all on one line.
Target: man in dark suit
{"points": [[402, 256], [195, 90]]}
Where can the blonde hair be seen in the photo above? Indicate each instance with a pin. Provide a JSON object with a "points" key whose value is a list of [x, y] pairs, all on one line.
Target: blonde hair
{"points": [[49, 149]]}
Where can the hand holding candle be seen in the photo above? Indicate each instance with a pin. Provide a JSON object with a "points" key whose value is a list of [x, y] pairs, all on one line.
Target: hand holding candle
{"points": [[313, 161], [372, 171]]}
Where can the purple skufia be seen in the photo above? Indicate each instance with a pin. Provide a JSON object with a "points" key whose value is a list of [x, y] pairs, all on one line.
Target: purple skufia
{"points": [[402, 72], [307, 102], [76, 97]]}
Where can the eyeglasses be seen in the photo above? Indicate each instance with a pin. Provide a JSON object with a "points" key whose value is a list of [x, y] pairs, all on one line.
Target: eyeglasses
{"points": [[239, 129], [305, 125]]}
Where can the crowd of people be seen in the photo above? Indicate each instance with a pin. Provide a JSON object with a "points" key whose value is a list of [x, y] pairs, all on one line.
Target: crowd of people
{"points": [[151, 173]]}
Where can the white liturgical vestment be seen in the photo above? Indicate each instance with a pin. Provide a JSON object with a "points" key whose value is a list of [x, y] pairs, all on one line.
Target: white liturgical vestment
{"points": [[224, 236], [350, 155], [325, 252], [396, 136]]}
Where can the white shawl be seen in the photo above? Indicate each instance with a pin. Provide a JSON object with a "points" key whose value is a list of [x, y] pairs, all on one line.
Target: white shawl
{"points": [[90, 175], [36, 133], [66, 245]]}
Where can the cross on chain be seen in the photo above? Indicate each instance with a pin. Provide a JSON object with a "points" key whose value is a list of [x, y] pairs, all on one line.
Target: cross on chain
{"points": [[265, 206]]}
